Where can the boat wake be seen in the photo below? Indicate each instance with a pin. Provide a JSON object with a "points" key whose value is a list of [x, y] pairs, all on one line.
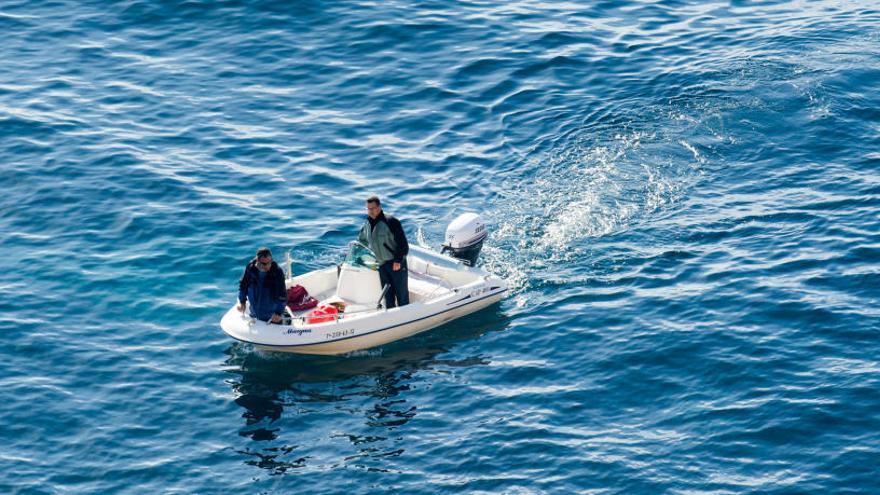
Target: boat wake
{"points": [[586, 188]]}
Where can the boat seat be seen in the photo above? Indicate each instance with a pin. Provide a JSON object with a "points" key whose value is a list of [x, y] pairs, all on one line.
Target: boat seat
{"points": [[358, 285], [427, 286], [350, 306], [416, 265]]}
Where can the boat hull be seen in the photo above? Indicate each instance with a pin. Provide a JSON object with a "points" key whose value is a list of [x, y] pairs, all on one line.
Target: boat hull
{"points": [[383, 337], [333, 338]]}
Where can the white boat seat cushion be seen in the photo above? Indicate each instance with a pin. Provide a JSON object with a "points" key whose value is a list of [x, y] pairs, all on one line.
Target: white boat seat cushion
{"points": [[427, 286], [351, 307], [358, 285], [416, 265]]}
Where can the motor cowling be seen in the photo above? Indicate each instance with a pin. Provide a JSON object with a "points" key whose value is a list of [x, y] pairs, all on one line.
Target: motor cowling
{"points": [[464, 237]]}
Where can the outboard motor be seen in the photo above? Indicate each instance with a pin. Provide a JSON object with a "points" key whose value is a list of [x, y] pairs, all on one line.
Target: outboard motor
{"points": [[464, 238]]}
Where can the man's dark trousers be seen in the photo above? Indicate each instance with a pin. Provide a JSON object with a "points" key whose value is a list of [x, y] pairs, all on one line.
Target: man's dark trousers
{"points": [[398, 280]]}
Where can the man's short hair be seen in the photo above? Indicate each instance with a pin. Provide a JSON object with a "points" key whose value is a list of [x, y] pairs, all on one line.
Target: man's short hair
{"points": [[375, 200]]}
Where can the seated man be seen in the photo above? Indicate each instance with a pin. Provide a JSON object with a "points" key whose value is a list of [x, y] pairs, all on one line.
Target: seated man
{"points": [[263, 285]]}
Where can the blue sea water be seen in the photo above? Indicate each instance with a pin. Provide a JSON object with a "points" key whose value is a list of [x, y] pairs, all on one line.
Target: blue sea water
{"points": [[683, 195]]}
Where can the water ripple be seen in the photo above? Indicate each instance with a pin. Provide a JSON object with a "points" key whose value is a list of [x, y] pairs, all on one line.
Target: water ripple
{"points": [[682, 196]]}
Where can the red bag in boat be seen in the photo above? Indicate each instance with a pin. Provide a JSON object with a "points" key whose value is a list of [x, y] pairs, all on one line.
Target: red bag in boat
{"points": [[299, 299], [324, 312]]}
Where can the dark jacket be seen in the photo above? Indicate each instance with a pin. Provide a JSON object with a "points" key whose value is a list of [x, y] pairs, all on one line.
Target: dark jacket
{"points": [[385, 237], [267, 298]]}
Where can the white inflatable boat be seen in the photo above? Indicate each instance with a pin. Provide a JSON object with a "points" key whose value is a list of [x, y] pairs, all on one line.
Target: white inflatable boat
{"points": [[442, 287]]}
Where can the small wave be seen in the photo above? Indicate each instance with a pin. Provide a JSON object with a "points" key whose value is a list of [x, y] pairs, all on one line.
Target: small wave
{"points": [[364, 353]]}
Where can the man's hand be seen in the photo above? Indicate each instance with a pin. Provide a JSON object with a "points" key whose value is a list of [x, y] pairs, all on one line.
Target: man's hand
{"points": [[241, 307], [276, 318], [395, 266]]}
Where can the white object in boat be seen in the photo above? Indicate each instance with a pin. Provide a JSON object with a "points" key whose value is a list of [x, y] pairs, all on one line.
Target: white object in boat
{"points": [[441, 288]]}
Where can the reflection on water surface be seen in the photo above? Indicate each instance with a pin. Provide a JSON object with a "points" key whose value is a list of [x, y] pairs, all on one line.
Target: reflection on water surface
{"points": [[367, 396]]}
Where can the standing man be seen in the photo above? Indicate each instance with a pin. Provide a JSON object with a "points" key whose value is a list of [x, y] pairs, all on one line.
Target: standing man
{"points": [[384, 236], [263, 285]]}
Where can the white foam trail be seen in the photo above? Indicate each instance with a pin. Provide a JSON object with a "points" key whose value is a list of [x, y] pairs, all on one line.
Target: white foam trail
{"points": [[580, 192]]}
